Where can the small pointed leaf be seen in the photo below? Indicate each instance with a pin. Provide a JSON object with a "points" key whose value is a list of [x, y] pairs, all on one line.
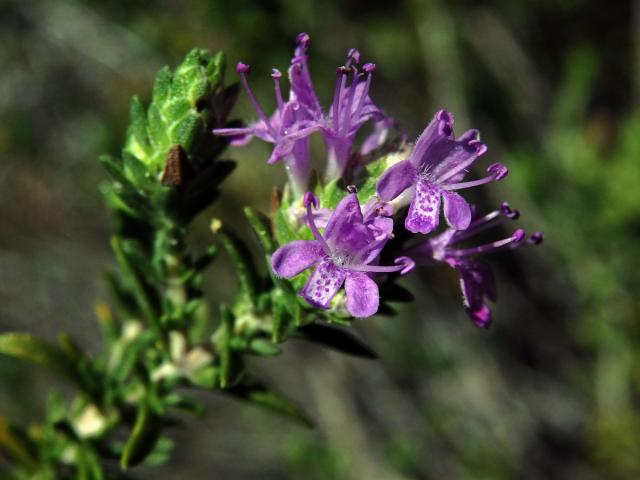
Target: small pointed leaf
{"points": [[43, 354], [145, 434]]}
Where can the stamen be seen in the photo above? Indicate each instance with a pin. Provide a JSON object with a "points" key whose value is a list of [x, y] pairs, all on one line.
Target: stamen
{"points": [[536, 238], [490, 220], [342, 73], [473, 183], [403, 265], [304, 132], [232, 132], [369, 68], [352, 91], [243, 69], [303, 40], [497, 172], [277, 75], [510, 242], [508, 212], [384, 209], [353, 56], [310, 199], [352, 189]]}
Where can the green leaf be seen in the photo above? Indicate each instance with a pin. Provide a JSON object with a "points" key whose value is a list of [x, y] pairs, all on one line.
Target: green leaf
{"points": [[114, 167], [162, 86], [336, 338], [185, 131], [231, 362], [146, 432], [332, 193], [158, 133], [374, 171], [143, 293], [284, 233], [176, 109], [32, 349], [136, 171], [137, 139], [243, 261], [16, 445], [89, 466], [127, 356], [263, 348], [161, 452], [256, 392], [280, 318], [262, 228]]}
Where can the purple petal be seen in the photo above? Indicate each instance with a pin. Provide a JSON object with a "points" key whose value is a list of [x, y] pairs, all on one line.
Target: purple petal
{"points": [[441, 154], [302, 90], [295, 257], [439, 130], [453, 159], [323, 284], [477, 281], [376, 138], [456, 210], [346, 220], [282, 149], [424, 211], [381, 227], [363, 296], [299, 164], [396, 180], [480, 316]]}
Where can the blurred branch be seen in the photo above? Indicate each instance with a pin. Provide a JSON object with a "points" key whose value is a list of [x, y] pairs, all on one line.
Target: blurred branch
{"points": [[78, 28], [498, 47], [437, 33]]}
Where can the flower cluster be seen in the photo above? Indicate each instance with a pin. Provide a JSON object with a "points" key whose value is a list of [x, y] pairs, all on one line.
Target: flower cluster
{"points": [[295, 119], [348, 249]]}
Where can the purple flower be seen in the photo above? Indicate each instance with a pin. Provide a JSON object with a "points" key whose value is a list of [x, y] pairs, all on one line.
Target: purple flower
{"points": [[435, 169], [294, 120], [351, 108], [476, 279], [378, 136], [345, 253], [290, 125]]}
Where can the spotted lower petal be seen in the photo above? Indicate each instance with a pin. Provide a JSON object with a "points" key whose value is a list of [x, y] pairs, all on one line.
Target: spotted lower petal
{"points": [[323, 284], [363, 296], [424, 211]]}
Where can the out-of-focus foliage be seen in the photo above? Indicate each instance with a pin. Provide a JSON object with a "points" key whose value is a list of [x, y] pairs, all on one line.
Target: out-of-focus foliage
{"points": [[551, 391]]}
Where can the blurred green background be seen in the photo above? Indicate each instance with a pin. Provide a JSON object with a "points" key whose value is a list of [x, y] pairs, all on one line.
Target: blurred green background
{"points": [[551, 391]]}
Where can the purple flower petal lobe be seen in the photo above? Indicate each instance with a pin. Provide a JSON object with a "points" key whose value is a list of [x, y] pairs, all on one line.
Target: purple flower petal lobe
{"points": [[363, 296], [396, 180], [295, 257], [456, 210]]}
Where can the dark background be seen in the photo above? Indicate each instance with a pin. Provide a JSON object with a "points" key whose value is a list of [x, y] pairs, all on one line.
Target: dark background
{"points": [[550, 391]]}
